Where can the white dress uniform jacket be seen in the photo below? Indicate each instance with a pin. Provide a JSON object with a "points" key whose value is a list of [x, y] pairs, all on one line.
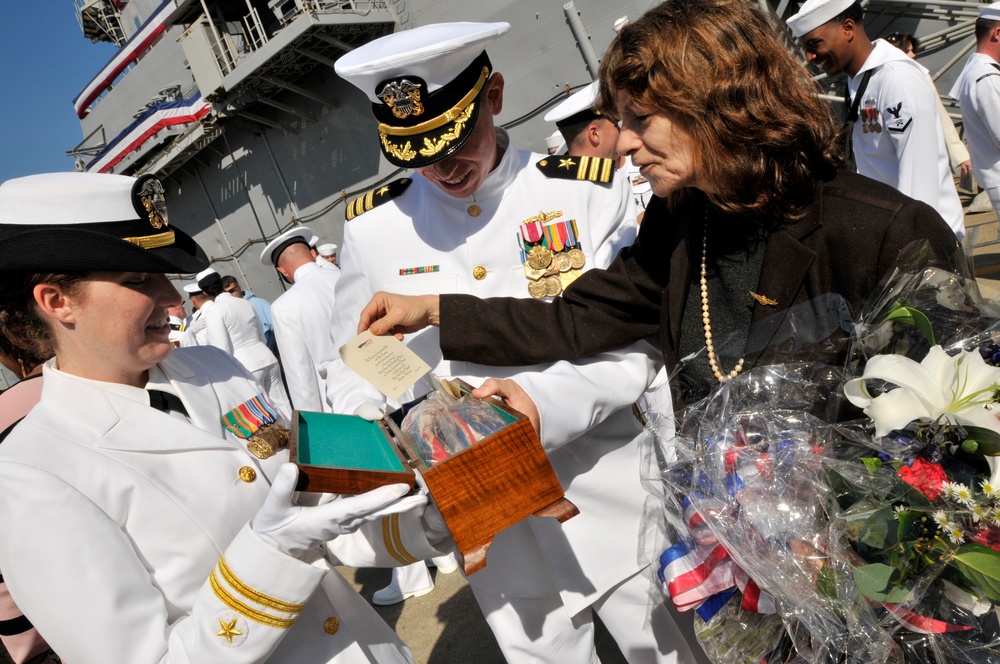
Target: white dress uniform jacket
{"points": [[302, 317], [231, 324], [196, 334], [978, 90], [586, 425], [140, 550], [908, 152]]}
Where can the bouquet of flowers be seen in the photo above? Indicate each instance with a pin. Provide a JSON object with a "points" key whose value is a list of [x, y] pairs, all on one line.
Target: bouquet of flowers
{"points": [[799, 536]]}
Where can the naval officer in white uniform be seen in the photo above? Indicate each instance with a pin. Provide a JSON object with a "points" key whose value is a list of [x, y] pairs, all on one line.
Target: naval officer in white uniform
{"points": [[302, 315], [477, 210], [897, 136], [978, 90], [137, 527], [231, 325]]}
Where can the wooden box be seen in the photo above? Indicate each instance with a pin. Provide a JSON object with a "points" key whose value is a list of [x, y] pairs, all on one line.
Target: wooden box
{"points": [[480, 491]]}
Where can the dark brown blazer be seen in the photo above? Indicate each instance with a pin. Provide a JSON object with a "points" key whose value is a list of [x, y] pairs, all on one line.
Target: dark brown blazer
{"points": [[820, 271]]}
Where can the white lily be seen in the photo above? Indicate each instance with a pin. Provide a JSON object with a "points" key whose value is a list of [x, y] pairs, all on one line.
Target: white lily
{"points": [[959, 388]]}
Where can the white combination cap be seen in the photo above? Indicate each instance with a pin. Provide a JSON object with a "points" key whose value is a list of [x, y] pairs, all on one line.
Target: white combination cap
{"points": [[423, 84], [204, 273], [578, 107], [990, 12], [327, 249], [192, 289], [110, 222], [297, 235], [815, 13]]}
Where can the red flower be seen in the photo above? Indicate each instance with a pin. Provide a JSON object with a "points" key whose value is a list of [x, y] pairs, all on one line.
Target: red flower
{"points": [[924, 476], [988, 537]]}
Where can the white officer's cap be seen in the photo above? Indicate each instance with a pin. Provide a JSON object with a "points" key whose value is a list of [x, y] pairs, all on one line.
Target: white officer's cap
{"points": [[423, 84], [272, 252], [192, 289], [327, 249], [990, 12], [111, 222], [815, 13], [578, 107]]}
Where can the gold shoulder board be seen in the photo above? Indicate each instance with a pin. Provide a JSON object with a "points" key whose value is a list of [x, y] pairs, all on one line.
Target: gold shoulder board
{"points": [[376, 197], [592, 169]]}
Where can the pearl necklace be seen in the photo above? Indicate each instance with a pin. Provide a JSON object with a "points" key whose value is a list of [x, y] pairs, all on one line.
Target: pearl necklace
{"points": [[706, 318]]}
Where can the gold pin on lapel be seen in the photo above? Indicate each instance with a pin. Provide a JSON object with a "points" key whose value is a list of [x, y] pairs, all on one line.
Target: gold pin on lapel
{"points": [[763, 299]]}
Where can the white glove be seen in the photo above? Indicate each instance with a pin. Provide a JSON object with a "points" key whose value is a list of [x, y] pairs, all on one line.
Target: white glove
{"points": [[295, 529], [372, 411]]}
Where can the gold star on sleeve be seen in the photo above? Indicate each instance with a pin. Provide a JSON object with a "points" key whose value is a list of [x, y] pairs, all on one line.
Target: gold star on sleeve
{"points": [[566, 163], [228, 630], [381, 192]]}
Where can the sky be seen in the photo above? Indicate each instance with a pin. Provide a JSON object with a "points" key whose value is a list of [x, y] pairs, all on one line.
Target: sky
{"points": [[45, 62]]}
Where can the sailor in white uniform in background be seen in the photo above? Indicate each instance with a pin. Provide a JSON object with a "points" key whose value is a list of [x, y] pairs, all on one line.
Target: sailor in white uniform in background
{"points": [[196, 334], [978, 90], [897, 136], [302, 315], [231, 325], [466, 222], [587, 133], [136, 527]]}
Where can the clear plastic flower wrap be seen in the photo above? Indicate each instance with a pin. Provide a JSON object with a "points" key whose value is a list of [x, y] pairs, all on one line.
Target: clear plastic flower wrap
{"points": [[798, 536]]}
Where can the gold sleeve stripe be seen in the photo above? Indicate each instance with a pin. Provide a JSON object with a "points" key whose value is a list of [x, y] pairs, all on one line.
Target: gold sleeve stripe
{"points": [[393, 541], [255, 595], [242, 609], [581, 171]]}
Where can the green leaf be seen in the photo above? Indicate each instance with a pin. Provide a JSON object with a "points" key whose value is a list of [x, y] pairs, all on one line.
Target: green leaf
{"points": [[875, 582], [989, 440], [826, 583], [871, 464], [914, 317], [981, 566]]}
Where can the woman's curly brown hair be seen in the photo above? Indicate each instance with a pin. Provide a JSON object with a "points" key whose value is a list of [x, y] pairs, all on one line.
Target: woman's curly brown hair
{"points": [[24, 335], [717, 68]]}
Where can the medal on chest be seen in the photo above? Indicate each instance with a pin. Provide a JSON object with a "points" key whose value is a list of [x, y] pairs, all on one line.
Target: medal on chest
{"points": [[551, 252], [256, 422], [871, 123]]}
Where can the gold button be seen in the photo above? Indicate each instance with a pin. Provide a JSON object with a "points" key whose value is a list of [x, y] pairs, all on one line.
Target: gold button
{"points": [[479, 272], [475, 210], [331, 625], [248, 474]]}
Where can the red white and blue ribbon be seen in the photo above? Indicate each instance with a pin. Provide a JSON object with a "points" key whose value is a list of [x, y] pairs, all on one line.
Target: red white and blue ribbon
{"points": [[150, 123], [129, 53]]}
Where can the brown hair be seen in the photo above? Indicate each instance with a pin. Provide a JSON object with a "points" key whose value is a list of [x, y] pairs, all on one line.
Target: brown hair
{"points": [[718, 69], [24, 335]]}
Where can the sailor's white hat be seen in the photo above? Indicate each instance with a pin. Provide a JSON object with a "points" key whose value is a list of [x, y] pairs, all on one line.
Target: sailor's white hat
{"points": [[328, 249], [423, 84], [297, 235], [578, 107], [207, 277], [79, 222], [990, 12], [555, 141], [192, 289], [815, 13]]}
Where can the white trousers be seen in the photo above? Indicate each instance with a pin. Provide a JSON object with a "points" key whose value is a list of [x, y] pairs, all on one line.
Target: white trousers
{"points": [[541, 631], [994, 194], [415, 577]]}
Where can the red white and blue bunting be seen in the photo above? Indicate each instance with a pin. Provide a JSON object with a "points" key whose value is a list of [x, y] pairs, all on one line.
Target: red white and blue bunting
{"points": [[128, 54]]}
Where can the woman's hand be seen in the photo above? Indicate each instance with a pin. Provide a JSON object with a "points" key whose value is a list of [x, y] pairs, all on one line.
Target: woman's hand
{"points": [[513, 396], [965, 167], [388, 313], [294, 529]]}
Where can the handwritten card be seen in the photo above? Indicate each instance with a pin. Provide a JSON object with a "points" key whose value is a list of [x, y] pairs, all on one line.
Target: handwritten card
{"points": [[385, 362]]}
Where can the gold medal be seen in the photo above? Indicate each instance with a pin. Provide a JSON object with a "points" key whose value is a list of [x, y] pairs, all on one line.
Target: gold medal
{"points": [[552, 286], [536, 289], [577, 258], [552, 270], [539, 257], [259, 447], [566, 278], [878, 128], [532, 273], [563, 261]]}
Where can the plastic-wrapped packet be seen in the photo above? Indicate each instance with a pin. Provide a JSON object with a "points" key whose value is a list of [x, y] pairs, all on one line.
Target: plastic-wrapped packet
{"points": [[440, 426]]}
